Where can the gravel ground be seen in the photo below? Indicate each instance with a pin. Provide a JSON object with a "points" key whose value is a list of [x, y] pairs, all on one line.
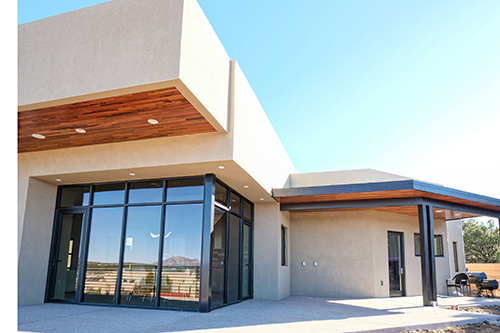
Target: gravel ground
{"points": [[485, 327]]}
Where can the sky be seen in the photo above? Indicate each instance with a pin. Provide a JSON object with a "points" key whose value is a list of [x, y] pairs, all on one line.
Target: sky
{"points": [[406, 87]]}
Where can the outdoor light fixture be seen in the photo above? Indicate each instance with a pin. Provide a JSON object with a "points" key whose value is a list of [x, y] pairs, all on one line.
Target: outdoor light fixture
{"points": [[58, 180], [221, 167], [132, 174], [246, 186], [38, 136], [80, 130], [153, 121]]}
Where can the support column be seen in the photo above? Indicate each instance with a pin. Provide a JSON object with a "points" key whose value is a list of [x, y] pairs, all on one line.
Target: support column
{"points": [[208, 222], [427, 259]]}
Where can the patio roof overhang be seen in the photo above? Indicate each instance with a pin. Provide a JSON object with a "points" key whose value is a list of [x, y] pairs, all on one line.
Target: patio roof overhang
{"points": [[400, 197]]}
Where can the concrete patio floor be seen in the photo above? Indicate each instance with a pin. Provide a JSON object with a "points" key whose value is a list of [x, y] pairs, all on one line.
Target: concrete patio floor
{"points": [[292, 314]]}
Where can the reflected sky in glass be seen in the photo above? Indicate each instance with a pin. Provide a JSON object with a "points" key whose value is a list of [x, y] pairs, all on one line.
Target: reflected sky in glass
{"points": [[183, 231], [105, 232], [109, 194], [144, 192], [143, 234]]}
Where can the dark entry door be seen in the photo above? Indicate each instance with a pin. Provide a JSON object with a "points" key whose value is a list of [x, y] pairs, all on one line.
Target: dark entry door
{"points": [[396, 263], [65, 257]]}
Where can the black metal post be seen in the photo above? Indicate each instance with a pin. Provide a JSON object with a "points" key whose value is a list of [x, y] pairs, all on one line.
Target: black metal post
{"points": [[428, 265], [208, 222]]}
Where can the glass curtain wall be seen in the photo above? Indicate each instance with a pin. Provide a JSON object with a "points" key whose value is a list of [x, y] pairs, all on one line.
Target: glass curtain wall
{"points": [[141, 245], [231, 265]]}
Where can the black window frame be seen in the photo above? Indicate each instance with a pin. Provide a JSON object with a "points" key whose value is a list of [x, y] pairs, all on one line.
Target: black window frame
{"points": [[86, 208], [417, 242]]}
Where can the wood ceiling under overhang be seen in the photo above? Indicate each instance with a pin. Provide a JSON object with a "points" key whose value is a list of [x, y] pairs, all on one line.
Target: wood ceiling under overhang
{"points": [[108, 120], [298, 199]]}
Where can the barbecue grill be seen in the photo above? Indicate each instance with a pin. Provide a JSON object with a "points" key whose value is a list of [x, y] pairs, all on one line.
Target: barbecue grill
{"points": [[480, 280]]}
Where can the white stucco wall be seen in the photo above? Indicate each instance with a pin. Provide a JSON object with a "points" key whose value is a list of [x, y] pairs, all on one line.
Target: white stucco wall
{"points": [[350, 248], [454, 234]]}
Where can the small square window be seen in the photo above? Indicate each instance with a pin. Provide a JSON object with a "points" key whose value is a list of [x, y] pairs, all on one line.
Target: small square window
{"points": [[438, 245]]}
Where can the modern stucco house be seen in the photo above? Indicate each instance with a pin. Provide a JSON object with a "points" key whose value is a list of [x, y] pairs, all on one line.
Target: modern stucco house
{"points": [[141, 142]]}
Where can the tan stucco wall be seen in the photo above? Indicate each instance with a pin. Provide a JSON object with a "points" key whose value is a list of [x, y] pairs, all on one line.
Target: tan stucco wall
{"points": [[271, 280], [121, 47], [257, 147], [36, 234], [351, 251], [112, 45]]}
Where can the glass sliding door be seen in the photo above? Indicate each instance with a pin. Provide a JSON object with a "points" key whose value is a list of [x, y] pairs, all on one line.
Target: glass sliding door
{"points": [[65, 260], [396, 263], [103, 255]]}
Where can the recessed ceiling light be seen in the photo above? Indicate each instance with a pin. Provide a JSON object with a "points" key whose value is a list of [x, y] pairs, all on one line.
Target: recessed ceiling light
{"points": [[457, 214], [38, 136], [80, 130], [261, 198], [246, 186], [221, 167], [132, 174], [439, 211], [153, 121], [58, 180]]}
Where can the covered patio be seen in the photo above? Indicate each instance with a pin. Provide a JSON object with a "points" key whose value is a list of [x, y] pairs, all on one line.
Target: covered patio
{"points": [[407, 197]]}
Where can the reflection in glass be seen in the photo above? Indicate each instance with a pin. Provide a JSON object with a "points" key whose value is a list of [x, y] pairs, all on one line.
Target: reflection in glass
{"points": [[140, 262], [145, 192], [68, 258], [245, 279], [234, 259], [180, 280], [109, 194], [218, 257], [103, 255], [235, 203], [247, 209], [74, 196], [394, 262], [185, 190], [220, 194]]}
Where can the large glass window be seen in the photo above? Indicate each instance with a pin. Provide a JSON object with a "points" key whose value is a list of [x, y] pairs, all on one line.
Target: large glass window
{"points": [[181, 256], [103, 255], [140, 244], [75, 196], [185, 190], [233, 261], [245, 279], [146, 192], [140, 260], [109, 194]]}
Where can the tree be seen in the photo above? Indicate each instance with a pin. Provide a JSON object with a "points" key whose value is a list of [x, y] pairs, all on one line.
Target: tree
{"points": [[481, 241]]}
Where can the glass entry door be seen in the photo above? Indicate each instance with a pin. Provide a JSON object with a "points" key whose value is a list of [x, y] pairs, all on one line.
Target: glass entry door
{"points": [[65, 258], [396, 263]]}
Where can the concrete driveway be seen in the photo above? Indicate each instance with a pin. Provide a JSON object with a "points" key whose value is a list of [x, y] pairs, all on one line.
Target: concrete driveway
{"points": [[293, 314]]}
